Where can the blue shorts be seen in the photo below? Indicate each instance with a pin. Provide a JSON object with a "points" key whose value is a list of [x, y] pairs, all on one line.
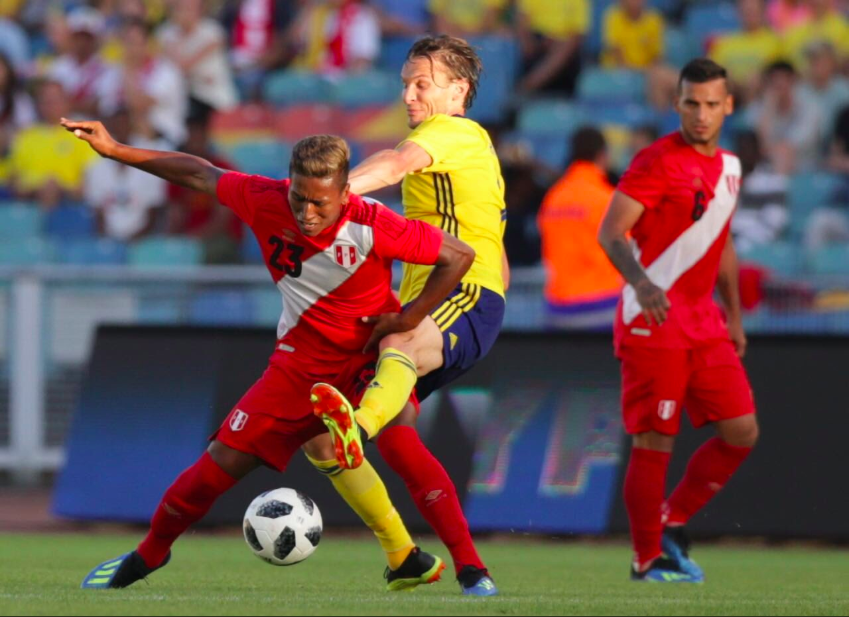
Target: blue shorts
{"points": [[470, 321]]}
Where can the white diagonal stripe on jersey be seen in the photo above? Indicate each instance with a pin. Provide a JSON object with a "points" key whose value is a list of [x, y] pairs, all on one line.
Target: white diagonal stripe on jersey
{"points": [[692, 245], [321, 275]]}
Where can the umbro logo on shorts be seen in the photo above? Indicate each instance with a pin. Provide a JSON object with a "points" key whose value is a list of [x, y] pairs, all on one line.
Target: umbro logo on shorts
{"points": [[666, 409], [238, 421]]}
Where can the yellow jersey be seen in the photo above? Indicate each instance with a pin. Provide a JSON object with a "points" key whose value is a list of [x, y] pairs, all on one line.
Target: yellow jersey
{"points": [[640, 42], [745, 54], [462, 192]]}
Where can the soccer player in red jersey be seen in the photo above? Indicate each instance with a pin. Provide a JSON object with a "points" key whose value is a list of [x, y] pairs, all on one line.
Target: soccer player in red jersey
{"points": [[676, 201], [330, 254]]}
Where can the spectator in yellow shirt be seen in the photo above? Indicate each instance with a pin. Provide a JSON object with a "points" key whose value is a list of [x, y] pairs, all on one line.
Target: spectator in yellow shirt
{"points": [[826, 24], [47, 163], [632, 36], [467, 18], [550, 34], [746, 53]]}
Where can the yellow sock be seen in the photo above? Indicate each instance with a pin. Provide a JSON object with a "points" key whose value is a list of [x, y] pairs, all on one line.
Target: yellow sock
{"points": [[365, 492], [388, 392]]}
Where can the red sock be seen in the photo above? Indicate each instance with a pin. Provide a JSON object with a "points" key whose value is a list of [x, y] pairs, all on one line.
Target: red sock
{"points": [[432, 490], [645, 485], [710, 468], [184, 503]]}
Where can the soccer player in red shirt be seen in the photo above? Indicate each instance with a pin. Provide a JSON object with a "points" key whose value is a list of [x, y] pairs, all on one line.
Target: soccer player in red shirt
{"points": [[330, 254], [676, 201]]}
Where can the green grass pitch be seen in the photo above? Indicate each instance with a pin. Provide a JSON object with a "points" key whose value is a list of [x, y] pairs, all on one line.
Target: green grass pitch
{"points": [[214, 575]]}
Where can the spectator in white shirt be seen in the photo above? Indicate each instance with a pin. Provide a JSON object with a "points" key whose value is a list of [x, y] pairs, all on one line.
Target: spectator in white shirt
{"points": [[149, 85], [197, 45], [126, 200], [82, 72]]}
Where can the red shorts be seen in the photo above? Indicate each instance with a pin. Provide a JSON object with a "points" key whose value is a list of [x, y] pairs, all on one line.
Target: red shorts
{"points": [[275, 417], [710, 382]]}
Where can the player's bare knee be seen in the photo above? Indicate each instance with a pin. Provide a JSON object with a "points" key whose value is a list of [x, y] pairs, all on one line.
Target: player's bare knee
{"points": [[234, 463], [319, 449], [654, 441], [744, 434]]}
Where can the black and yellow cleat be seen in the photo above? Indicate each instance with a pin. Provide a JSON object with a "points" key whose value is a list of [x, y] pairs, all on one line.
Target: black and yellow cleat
{"points": [[120, 572], [419, 568]]}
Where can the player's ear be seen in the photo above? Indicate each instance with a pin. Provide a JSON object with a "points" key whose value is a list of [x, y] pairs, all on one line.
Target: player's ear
{"points": [[461, 89], [729, 105]]}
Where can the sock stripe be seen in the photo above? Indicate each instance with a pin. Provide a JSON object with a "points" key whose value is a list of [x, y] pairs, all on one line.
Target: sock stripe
{"points": [[400, 359]]}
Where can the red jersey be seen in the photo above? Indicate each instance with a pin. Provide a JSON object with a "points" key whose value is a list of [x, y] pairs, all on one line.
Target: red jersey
{"points": [[679, 239], [331, 281]]}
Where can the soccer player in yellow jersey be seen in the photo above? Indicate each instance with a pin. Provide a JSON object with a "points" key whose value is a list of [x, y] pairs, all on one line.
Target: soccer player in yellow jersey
{"points": [[452, 179]]}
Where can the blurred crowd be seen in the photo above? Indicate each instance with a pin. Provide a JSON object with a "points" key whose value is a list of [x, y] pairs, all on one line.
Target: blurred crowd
{"points": [[158, 73]]}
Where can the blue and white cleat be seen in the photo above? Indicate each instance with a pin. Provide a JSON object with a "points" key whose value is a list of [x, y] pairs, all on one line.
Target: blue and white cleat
{"points": [[476, 582], [663, 570], [676, 545], [120, 572]]}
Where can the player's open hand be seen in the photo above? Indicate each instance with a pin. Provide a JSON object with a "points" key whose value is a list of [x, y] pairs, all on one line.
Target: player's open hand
{"points": [[738, 336], [654, 302], [384, 325], [94, 133]]}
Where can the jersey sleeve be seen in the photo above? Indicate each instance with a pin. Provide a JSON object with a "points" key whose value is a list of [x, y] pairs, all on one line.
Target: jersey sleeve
{"points": [[412, 242], [644, 180], [234, 192], [444, 139]]}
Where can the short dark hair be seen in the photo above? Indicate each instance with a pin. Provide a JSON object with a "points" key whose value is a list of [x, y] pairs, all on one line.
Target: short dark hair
{"points": [[587, 144], [321, 156], [701, 71], [456, 54], [780, 66]]}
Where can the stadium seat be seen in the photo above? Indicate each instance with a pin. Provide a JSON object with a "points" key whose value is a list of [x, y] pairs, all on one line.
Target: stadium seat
{"points": [[780, 257], [500, 57], [706, 20], [284, 88], [550, 117], [265, 158], [71, 220], [294, 123], [553, 150], [251, 251], [806, 193], [679, 48], [630, 116], [367, 89], [20, 220], [166, 253], [593, 42], [267, 304], [92, 252], [597, 85], [26, 252], [831, 260], [222, 307], [393, 51]]}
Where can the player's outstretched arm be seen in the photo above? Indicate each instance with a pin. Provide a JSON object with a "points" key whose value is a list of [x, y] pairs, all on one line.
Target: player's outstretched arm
{"points": [[388, 168], [623, 214], [728, 284], [184, 169], [454, 260]]}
